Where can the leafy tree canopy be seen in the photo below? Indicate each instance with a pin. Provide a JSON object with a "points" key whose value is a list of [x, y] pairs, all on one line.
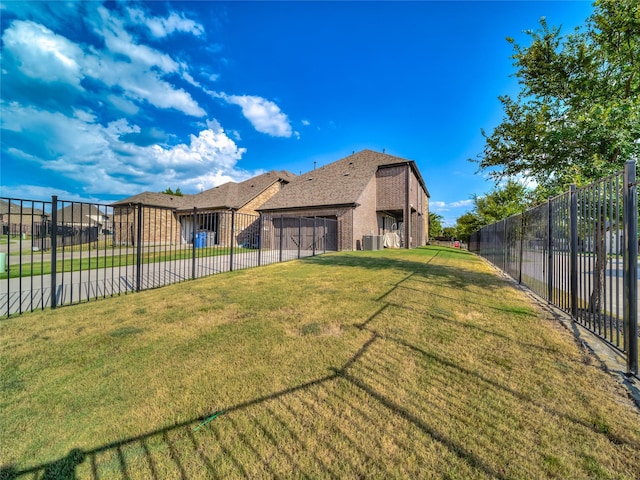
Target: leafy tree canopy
{"points": [[577, 115], [502, 202], [177, 193], [435, 225]]}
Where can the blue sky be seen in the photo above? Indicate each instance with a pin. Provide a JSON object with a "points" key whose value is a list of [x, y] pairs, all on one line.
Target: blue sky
{"points": [[101, 101]]}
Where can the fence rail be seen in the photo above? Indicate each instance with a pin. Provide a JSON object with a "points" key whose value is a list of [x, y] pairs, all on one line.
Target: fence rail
{"points": [[579, 251], [61, 253]]}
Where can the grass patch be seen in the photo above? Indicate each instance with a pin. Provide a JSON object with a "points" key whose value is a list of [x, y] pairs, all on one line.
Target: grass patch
{"points": [[382, 364], [108, 259]]}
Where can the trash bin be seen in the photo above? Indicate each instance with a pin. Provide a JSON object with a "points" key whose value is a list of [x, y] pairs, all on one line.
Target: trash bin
{"points": [[3, 262], [201, 239]]}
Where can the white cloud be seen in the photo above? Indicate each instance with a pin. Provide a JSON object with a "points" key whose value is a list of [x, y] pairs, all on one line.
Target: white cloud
{"points": [[40, 193], [306, 123], [162, 27], [264, 115], [440, 206], [42, 54], [137, 70], [96, 156]]}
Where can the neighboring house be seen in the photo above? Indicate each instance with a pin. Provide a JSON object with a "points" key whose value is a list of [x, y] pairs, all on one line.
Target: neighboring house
{"points": [[368, 193], [172, 219], [81, 215], [18, 218]]}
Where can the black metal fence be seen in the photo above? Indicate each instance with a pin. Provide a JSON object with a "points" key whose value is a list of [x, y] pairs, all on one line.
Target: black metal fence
{"points": [[62, 253], [579, 251]]}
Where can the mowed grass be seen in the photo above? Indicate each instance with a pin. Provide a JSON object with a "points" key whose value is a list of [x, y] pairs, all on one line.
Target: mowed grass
{"points": [[391, 364]]}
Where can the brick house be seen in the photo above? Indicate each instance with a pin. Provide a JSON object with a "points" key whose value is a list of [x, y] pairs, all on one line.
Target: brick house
{"points": [[172, 219], [370, 194]]}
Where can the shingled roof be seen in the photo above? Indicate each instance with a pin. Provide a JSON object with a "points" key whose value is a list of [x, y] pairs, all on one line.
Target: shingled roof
{"points": [[152, 199], [235, 195], [338, 183], [229, 195], [79, 213], [17, 209]]}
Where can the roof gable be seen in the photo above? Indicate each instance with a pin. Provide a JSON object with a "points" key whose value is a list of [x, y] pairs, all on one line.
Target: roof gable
{"points": [[339, 183], [230, 195]]}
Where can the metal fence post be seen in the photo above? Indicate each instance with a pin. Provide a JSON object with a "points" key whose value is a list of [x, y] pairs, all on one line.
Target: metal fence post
{"points": [[281, 235], [523, 225], [54, 248], [231, 239], [260, 233], [314, 237], [139, 249], [299, 235], [630, 266], [550, 251], [193, 246], [324, 235], [573, 249]]}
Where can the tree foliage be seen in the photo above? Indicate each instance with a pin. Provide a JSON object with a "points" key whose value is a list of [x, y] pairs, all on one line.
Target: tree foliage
{"points": [[435, 225], [177, 193], [577, 115], [502, 202]]}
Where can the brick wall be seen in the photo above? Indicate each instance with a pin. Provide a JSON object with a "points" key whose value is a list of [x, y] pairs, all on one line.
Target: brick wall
{"points": [[390, 190], [160, 226], [259, 200], [365, 218]]}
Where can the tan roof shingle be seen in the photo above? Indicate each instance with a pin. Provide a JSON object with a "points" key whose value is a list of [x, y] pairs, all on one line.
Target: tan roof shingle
{"points": [[338, 183], [229, 195]]}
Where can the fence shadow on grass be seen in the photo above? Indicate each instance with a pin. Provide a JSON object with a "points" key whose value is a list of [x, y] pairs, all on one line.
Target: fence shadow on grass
{"points": [[450, 276], [360, 420], [337, 451]]}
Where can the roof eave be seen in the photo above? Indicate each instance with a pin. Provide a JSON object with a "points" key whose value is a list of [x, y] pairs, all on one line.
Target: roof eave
{"points": [[308, 207]]}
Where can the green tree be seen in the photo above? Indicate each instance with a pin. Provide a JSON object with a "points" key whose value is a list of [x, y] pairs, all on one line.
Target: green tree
{"points": [[502, 202], [449, 232], [577, 115], [177, 193], [435, 225], [467, 224]]}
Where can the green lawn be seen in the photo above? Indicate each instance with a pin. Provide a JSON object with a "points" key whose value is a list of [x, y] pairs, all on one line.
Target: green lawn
{"points": [[74, 260], [390, 364]]}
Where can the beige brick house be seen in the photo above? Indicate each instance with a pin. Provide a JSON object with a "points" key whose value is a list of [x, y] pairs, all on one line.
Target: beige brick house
{"points": [[370, 194], [171, 219]]}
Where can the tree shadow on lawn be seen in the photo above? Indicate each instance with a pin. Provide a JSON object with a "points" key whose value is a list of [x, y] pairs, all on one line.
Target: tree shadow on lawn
{"points": [[360, 420]]}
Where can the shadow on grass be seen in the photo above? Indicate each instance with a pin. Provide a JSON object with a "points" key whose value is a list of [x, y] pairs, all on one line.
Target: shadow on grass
{"points": [[234, 444], [176, 450]]}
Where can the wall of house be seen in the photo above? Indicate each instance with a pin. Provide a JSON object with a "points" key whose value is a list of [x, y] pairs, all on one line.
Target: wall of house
{"points": [[365, 218], [390, 188], [343, 215], [259, 200], [159, 226], [390, 195]]}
